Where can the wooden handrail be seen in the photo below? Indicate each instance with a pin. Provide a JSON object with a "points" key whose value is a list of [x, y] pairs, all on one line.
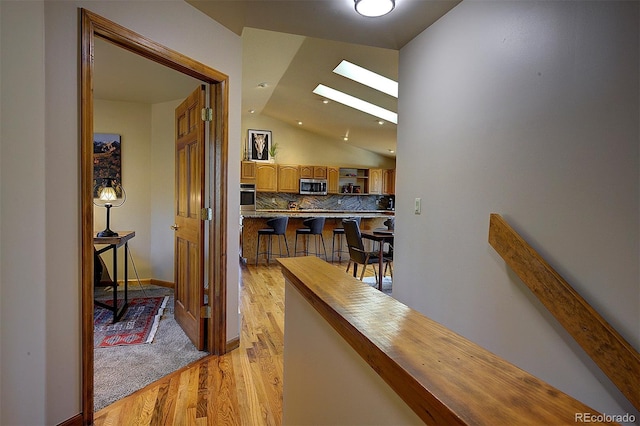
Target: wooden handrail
{"points": [[443, 377], [608, 349]]}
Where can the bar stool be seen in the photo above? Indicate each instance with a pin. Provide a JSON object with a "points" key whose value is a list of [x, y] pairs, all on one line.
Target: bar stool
{"points": [[314, 226], [339, 233], [277, 228]]}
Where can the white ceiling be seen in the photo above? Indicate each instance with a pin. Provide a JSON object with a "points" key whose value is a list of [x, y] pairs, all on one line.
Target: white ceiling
{"points": [[292, 46]]}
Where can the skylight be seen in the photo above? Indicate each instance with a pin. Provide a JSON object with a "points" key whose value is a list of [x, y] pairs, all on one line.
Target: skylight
{"points": [[353, 102], [367, 77]]}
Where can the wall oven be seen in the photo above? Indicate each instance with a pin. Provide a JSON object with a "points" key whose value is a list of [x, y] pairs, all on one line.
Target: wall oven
{"points": [[313, 186], [247, 197]]}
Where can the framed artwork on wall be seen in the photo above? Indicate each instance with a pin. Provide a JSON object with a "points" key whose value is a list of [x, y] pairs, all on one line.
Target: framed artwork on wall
{"points": [[107, 162], [259, 142]]}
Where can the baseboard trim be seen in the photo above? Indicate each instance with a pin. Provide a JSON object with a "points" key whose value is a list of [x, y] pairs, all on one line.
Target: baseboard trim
{"points": [[233, 344], [73, 421], [148, 281]]}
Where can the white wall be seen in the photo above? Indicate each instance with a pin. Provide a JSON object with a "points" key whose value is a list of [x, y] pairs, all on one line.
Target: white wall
{"points": [[297, 146], [40, 216], [527, 109], [23, 210]]}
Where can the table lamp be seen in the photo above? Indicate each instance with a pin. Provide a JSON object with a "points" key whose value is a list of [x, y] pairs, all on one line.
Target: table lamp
{"points": [[107, 195]]}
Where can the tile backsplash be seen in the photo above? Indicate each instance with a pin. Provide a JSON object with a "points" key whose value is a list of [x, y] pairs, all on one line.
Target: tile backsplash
{"points": [[280, 201]]}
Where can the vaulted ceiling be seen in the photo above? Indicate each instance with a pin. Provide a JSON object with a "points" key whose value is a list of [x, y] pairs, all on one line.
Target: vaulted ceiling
{"points": [[291, 46]]}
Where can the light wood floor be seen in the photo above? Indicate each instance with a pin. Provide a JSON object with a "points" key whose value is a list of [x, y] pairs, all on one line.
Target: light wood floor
{"points": [[243, 387]]}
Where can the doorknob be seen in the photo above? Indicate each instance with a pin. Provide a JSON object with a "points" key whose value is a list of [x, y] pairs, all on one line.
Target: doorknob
{"points": [[174, 227]]}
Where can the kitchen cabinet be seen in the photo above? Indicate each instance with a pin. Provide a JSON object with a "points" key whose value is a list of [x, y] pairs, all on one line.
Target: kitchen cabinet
{"points": [[266, 177], [288, 178], [389, 182], [247, 171], [313, 172], [375, 181], [319, 172], [306, 172], [333, 180]]}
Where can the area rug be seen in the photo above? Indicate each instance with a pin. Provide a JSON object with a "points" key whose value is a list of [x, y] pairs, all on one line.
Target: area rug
{"points": [[138, 325], [386, 283]]}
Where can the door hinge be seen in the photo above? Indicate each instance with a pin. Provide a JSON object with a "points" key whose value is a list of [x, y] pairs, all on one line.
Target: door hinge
{"points": [[205, 311], [206, 213], [207, 114]]}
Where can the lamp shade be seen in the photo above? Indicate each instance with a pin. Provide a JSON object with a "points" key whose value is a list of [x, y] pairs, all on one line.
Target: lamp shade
{"points": [[108, 193], [374, 8]]}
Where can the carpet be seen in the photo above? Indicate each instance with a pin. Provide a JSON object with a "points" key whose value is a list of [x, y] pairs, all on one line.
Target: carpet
{"points": [[137, 326]]}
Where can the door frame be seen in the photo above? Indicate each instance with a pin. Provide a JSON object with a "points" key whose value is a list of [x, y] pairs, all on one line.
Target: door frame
{"points": [[93, 25]]}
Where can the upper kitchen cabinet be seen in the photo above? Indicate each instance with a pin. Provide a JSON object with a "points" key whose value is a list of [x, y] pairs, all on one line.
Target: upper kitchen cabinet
{"points": [[333, 180], [389, 182], [313, 172], [375, 181], [266, 177], [288, 178], [247, 172]]}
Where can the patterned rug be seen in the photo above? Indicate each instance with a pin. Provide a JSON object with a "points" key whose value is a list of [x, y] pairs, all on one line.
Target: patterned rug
{"points": [[138, 325]]}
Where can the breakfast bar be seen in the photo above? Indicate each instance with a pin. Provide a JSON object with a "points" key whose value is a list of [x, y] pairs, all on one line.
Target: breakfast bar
{"points": [[254, 220]]}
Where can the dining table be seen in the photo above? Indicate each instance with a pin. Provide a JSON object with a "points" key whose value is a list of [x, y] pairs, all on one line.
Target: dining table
{"points": [[381, 236]]}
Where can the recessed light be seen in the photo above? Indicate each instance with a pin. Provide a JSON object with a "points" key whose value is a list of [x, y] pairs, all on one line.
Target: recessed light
{"points": [[262, 85], [325, 101], [299, 123], [367, 77], [356, 103], [252, 111], [391, 151], [380, 122], [346, 138]]}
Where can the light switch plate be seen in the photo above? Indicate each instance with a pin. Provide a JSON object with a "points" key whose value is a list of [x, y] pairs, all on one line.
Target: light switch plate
{"points": [[418, 206]]}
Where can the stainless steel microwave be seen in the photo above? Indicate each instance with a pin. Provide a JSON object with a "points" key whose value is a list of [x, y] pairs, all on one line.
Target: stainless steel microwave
{"points": [[313, 186]]}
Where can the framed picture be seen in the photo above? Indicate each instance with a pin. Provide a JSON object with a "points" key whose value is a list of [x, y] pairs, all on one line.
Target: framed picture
{"points": [[259, 142], [107, 162]]}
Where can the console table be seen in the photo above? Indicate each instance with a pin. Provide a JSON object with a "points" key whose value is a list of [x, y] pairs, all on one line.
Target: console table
{"points": [[113, 243]]}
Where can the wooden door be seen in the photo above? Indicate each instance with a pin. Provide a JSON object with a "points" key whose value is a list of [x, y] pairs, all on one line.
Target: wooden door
{"points": [[189, 227]]}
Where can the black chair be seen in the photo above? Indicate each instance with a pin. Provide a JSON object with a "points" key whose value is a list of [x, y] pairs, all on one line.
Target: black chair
{"points": [[339, 233], [314, 226], [357, 254], [277, 228]]}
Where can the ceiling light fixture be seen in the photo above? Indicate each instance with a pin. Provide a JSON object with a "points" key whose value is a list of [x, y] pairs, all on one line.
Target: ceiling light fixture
{"points": [[367, 77], [262, 85], [374, 8], [299, 123], [356, 103]]}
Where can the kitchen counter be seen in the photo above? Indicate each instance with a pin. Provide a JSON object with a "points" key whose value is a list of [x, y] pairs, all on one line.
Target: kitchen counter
{"points": [[318, 213], [252, 221]]}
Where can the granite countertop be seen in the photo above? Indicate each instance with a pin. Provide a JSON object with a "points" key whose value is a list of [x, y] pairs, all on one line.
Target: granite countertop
{"points": [[318, 212]]}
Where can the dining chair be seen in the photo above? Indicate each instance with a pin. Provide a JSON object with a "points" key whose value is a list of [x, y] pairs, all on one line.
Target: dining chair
{"points": [[357, 253]]}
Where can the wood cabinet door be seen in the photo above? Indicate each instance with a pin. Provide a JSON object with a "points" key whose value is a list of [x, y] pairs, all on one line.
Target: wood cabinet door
{"points": [[389, 182], [247, 171], [288, 178], [333, 180], [375, 181], [306, 172], [319, 172], [266, 177]]}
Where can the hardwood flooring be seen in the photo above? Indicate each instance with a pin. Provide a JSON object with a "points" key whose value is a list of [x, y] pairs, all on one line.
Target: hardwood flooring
{"points": [[243, 387]]}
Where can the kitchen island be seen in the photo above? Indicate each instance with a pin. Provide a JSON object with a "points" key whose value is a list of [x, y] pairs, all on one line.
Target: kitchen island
{"points": [[251, 221]]}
